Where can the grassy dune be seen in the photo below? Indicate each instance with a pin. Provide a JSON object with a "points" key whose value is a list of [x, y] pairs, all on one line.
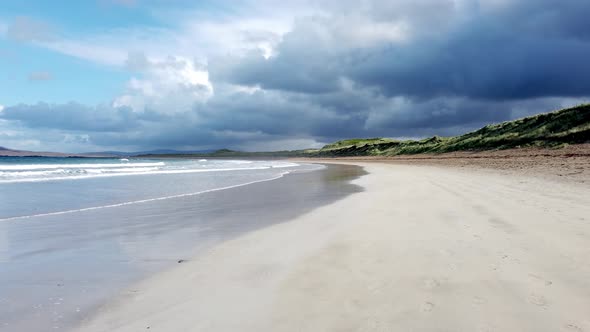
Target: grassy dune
{"points": [[555, 129]]}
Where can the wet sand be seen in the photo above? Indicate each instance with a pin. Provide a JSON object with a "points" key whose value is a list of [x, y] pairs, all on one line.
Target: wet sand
{"points": [[422, 248]]}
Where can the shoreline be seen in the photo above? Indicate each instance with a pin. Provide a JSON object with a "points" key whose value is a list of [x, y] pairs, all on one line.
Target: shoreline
{"points": [[59, 267], [507, 254]]}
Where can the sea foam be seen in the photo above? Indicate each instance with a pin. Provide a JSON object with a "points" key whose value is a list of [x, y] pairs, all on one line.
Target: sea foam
{"points": [[39, 172]]}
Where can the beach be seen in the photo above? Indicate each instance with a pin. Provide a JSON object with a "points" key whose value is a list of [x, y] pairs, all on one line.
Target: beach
{"points": [[295, 166], [421, 248]]}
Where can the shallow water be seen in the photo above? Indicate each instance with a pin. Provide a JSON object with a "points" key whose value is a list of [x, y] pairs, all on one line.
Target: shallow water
{"points": [[56, 269], [32, 186]]}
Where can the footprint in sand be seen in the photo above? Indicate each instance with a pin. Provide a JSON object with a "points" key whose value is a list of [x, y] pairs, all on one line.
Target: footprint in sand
{"points": [[572, 327], [431, 283], [427, 307], [501, 224], [537, 299], [540, 280]]}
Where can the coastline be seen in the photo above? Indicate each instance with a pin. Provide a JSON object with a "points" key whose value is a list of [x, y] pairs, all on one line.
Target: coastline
{"points": [[423, 248], [59, 267]]}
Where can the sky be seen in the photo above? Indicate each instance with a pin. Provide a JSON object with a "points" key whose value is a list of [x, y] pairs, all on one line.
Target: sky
{"points": [[137, 75]]}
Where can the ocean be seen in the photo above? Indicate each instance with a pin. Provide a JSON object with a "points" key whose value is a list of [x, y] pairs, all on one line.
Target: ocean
{"points": [[37, 186], [76, 232]]}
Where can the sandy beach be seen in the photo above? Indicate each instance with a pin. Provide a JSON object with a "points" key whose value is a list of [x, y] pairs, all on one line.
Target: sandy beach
{"points": [[422, 248]]}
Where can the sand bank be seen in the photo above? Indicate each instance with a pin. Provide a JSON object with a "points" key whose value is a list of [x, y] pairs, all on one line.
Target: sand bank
{"points": [[421, 249]]}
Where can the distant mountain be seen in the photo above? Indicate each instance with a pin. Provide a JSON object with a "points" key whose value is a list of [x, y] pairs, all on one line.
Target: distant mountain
{"points": [[152, 152], [5, 152], [109, 153], [170, 151]]}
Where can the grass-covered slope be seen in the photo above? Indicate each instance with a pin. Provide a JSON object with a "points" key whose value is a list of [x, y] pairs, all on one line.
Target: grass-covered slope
{"points": [[567, 126]]}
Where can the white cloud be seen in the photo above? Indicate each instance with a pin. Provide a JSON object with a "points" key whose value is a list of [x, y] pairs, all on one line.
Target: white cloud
{"points": [[89, 50], [168, 86], [187, 33]]}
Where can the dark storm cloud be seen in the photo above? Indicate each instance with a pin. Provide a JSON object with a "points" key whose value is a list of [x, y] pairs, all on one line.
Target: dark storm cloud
{"points": [[523, 50], [293, 70], [479, 64], [74, 116], [436, 115], [554, 19], [268, 112]]}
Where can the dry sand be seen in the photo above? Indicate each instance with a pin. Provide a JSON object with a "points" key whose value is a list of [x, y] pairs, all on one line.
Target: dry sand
{"points": [[423, 248], [568, 164]]}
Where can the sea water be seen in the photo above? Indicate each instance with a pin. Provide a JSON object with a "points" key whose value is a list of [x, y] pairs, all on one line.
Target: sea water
{"points": [[77, 232], [37, 186]]}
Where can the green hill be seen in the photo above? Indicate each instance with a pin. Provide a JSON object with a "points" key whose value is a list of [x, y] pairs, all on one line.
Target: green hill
{"points": [[567, 126]]}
